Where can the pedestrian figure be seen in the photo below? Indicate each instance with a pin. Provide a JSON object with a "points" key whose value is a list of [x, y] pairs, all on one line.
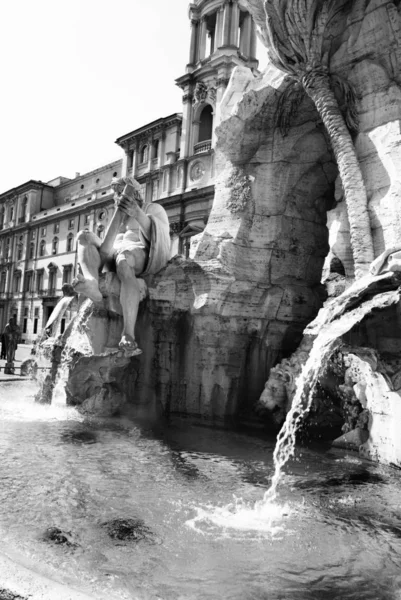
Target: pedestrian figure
{"points": [[3, 353]]}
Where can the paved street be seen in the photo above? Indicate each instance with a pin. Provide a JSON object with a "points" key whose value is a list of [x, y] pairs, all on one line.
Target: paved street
{"points": [[23, 352]]}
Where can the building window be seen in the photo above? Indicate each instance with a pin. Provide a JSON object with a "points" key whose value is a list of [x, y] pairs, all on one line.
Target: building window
{"points": [[17, 282], [52, 279], [3, 277], [71, 223], [211, 33], [206, 124], [70, 242], [11, 213], [28, 281], [100, 231], [42, 248], [144, 154], [20, 250], [31, 250], [43, 232], [55, 245], [86, 219], [7, 249], [82, 186], [101, 215], [156, 149], [143, 191], [1, 217], [56, 228], [35, 320], [39, 281], [33, 234], [67, 273], [155, 189], [24, 209], [25, 322]]}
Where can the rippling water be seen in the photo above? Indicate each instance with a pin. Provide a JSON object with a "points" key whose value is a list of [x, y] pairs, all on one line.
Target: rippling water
{"points": [[333, 533]]}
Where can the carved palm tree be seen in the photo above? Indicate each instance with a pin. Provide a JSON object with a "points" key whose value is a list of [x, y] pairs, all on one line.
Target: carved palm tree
{"points": [[294, 32]]}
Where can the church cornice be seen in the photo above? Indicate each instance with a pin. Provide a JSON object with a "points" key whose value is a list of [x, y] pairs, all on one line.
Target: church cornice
{"points": [[30, 185], [153, 127]]}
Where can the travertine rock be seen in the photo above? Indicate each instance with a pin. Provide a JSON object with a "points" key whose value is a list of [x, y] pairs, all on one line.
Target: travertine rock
{"points": [[212, 328]]}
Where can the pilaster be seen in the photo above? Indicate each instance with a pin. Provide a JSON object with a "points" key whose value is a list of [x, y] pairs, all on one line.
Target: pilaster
{"points": [[252, 51], [186, 125], [226, 23], [202, 39], [218, 36], [193, 44], [245, 40], [234, 24]]}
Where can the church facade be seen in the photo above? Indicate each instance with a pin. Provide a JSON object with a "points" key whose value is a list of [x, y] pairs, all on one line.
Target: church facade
{"points": [[172, 158]]}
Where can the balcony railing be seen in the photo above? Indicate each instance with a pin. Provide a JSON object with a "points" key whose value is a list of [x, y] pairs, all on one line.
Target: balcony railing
{"points": [[204, 146]]}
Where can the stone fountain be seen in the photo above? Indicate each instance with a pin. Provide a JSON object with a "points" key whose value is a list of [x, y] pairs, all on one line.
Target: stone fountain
{"points": [[216, 327]]}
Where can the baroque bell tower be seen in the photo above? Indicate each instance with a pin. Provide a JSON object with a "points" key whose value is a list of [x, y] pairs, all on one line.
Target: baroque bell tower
{"points": [[223, 36]]}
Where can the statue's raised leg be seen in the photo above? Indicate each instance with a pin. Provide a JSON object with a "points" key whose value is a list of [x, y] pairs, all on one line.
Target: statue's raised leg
{"points": [[89, 260], [129, 263]]}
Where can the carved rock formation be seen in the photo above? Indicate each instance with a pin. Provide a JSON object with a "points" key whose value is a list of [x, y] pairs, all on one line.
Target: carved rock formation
{"points": [[359, 386], [212, 328]]}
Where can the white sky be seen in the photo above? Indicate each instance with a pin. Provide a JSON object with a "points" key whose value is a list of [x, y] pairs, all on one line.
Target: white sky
{"points": [[77, 74]]}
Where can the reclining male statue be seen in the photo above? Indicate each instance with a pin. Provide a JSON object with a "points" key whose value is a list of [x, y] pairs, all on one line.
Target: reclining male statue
{"points": [[136, 244]]}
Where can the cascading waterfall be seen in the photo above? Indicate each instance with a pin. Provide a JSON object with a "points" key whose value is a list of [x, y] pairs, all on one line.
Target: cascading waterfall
{"points": [[76, 341], [327, 340], [333, 323]]}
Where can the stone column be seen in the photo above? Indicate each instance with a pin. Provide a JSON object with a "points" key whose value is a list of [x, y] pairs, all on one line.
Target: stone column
{"points": [[124, 167], [202, 39], [162, 149], [245, 39], [192, 48], [226, 24], [252, 51], [218, 34], [186, 125], [234, 25], [135, 159], [150, 148]]}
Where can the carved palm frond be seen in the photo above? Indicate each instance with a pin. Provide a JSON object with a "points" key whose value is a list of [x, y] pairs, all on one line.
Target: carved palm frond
{"points": [[297, 38], [349, 98], [295, 29], [288, 105]]}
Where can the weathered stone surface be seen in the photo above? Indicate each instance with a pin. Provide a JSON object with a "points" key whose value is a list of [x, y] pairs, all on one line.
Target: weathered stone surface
{"points": [[213, 327]]}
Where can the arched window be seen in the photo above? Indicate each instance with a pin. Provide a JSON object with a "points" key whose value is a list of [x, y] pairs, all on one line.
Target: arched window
{"points": [[144, 154], [70, 242], [20, 250], [55, 245], [24, 209], [31, 250], [11, 213], [156, 149], [42, 248], [100, 231], [206, 124], [7, 249]]}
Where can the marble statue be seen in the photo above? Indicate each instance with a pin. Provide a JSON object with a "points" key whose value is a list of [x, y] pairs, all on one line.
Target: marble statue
{"points": [[136, 244], [12, 334], [389, 260]]}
